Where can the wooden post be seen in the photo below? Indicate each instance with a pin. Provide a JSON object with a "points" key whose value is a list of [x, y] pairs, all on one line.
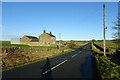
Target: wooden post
{"points": [[59, 38]]}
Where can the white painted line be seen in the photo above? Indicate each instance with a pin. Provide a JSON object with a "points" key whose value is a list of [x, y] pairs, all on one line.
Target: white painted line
{"points": [[74, 55], [55, 67]]}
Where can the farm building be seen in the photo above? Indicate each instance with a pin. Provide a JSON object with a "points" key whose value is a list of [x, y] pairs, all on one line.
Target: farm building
{"points": [[29, 40], [45, 39]]}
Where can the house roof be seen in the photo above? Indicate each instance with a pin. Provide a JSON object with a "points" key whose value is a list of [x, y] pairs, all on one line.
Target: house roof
{"points": [[34, 40], [32, 37], [50, 34]]}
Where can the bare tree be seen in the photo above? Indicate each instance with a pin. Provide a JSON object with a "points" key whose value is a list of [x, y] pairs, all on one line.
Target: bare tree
{"points": [[116, 34], [117, 28]]}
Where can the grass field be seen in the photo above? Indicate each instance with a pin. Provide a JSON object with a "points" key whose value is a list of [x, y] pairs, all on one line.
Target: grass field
{"points": [[110, 45], [7, 43]]}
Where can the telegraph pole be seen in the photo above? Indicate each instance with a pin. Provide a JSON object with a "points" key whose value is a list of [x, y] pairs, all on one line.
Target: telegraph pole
{"points": [[59, 38], [104, 24]]}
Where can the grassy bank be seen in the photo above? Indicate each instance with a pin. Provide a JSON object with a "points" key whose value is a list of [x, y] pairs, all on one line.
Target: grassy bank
{"points": [[107, 69]]}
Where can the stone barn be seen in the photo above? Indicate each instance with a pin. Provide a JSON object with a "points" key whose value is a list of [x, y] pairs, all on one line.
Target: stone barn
{"points": [[29, 40]]}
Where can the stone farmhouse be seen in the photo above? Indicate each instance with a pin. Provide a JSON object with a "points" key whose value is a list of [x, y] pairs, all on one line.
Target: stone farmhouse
{"points": [[45, 39]]}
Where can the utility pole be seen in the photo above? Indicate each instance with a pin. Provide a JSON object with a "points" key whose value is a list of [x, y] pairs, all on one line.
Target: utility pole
{"points": [[59, 38], [104, 24]]}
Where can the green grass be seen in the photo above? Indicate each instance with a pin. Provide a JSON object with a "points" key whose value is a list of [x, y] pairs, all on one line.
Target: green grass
{"points": [[94, 49], [109, 44], [107, 69], [7, 43]]}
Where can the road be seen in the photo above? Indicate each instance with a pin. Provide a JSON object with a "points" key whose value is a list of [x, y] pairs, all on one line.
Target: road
{"points": [[77, 64]]}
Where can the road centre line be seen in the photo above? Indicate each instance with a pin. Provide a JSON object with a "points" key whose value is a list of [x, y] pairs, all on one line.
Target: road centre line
{"points": [[74, 55], [54, 67]]}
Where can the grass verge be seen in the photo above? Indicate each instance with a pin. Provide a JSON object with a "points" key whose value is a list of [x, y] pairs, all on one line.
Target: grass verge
{"points": [[106, 68]]}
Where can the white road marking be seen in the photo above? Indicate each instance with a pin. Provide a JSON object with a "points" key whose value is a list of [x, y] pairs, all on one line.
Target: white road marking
{"points": [[74, 55], [55, 67]]}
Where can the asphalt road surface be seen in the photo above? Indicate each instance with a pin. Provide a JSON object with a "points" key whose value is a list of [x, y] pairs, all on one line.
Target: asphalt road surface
{"points": [[74, 65]]}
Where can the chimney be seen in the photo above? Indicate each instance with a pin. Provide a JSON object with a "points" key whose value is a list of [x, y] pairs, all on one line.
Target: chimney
{"points": [[50, 32], [44, 31]]}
